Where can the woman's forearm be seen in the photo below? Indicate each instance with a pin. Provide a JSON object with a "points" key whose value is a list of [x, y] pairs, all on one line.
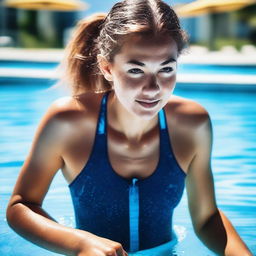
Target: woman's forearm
{"points": [[34, 224], [219, 235]]}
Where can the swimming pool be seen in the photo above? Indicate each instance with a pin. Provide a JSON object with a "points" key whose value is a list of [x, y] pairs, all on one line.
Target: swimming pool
{"points": [[234, 163]]}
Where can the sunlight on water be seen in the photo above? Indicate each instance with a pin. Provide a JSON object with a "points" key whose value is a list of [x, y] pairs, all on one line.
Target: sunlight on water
{"points": [[234, 124]]}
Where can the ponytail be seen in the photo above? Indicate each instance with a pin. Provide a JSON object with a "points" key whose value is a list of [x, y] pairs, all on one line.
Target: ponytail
{"points": [[80, 63]]}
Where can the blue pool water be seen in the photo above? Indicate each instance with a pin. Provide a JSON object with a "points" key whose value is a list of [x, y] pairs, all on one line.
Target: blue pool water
{"points": [[27, 64], [233, 116]]}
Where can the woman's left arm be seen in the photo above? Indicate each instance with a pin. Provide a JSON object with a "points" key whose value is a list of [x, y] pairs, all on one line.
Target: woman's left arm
{"points": [[210, 224]]}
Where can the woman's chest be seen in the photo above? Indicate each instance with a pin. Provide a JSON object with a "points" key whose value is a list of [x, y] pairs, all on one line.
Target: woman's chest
{"points": [[127, 158]]}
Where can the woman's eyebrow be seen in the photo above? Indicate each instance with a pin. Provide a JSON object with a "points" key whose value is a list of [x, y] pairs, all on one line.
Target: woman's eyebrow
{"points": [[171, 59], [136, 62]]}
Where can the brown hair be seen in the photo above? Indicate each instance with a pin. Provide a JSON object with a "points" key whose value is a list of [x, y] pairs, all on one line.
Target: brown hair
{"points": [[103, 34]]}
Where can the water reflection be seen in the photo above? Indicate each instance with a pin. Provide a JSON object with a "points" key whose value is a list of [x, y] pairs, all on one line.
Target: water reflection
{"points": [[234, 163]]}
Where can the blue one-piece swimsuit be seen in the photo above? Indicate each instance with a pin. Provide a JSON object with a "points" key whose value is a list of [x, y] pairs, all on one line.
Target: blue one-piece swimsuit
{"points": [[134, 212]]}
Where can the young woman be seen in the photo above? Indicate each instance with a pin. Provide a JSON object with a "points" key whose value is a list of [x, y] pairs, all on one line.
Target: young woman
{"points": [[125, 144]]}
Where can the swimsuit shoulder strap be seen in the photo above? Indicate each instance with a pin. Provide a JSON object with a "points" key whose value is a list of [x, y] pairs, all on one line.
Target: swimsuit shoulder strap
{"points": [[162, 119], [101, 126]]}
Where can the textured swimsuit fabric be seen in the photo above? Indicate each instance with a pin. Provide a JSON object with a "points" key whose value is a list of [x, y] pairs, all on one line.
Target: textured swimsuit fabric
{"points": [[101, 197]]}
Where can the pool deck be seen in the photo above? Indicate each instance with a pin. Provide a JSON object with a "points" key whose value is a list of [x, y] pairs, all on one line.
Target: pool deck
{"points": [[193, 55]]}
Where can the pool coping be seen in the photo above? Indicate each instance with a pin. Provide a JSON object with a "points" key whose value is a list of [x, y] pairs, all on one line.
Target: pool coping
{"points": [[53, 74], [190, 56], [193, 55]]}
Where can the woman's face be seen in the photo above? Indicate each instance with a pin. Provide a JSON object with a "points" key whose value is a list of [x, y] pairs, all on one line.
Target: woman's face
{"points": [[143, 74]]}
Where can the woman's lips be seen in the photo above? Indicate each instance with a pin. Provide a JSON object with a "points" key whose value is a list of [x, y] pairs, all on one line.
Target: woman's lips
{"points": [[148, 104]]}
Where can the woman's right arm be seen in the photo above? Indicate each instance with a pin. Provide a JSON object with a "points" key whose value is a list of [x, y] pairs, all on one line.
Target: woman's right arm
{"points": [[24, 212]]}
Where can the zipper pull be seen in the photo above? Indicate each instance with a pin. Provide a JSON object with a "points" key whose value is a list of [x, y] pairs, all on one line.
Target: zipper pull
{"points": [[134, 181]]}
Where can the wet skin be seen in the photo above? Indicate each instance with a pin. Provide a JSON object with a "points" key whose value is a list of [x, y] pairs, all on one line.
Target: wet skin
{"points": [[143, 83]]}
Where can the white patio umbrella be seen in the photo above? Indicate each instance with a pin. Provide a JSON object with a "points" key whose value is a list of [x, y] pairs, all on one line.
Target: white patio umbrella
{"points": [[200, 7], [55, 5]]}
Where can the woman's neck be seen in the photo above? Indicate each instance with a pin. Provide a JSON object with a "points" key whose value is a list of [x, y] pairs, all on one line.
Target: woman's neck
{"points": [[120, 119]]}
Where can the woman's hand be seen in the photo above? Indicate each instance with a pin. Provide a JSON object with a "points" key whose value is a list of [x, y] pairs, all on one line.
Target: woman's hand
{"points": [[99, 246]]}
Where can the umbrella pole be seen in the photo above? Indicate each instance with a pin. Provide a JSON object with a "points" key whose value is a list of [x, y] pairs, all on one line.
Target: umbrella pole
{"points": [[213, 31], [3, 19]]}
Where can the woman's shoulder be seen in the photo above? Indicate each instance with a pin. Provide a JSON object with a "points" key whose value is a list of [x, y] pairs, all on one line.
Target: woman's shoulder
{"points": [[70, 108], [186, 112], [69, 114], [188, 125], [79, 103]]}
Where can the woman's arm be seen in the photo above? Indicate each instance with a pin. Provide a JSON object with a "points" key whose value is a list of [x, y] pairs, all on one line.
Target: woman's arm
{"points": [[24, 212], [210, 224]]}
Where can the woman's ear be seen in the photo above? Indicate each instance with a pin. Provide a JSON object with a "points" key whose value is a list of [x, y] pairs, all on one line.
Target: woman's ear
{"points": [[105, 67]]}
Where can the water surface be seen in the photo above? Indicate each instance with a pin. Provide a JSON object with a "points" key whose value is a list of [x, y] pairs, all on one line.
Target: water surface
{"points": [[233, 116]]}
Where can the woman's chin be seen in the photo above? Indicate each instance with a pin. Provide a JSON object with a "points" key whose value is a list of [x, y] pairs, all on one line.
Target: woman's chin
{"points": [[147, 111]]}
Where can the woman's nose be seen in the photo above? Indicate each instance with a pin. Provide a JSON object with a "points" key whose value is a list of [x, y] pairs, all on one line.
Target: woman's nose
{"points": [[151, 86]]}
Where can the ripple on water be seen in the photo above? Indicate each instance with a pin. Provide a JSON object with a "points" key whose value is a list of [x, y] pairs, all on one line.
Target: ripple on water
{"points": [[234, 165]]}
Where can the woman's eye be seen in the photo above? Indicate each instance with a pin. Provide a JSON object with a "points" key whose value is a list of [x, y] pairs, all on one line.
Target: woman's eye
{"points": [[166, 70], [135, 71]]}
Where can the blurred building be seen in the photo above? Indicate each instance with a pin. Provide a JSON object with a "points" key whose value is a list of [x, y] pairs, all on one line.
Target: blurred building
{"points": [[35, 28], [215, 30], [30, 28], [27, 28]]}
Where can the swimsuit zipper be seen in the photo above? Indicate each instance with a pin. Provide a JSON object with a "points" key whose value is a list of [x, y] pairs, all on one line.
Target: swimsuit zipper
{"points": [[134, 215]]}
